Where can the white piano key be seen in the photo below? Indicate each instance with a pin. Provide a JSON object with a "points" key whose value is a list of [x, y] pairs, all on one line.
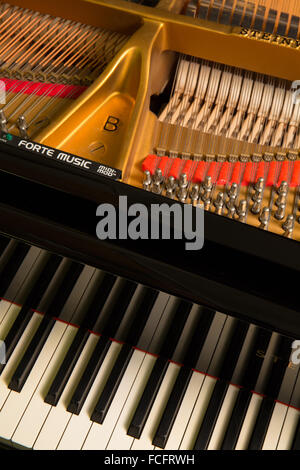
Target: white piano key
{"points": [[288, 429], [249, 422], [12, 311], [35, 409], [16, 356], [185, 411], [58, 417], [223, 418], [18, 287], [120, 431], [78, 426], [16, 403], [75, 439], [275, 426], [230, 398], [98, 436], [286, 392], [207, 387], [5, 307], [29, 264], [119, 436], [198, 413], [145, 441], [196, 382]]}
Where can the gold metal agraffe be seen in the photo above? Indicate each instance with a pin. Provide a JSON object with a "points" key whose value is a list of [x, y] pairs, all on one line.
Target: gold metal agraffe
{"points": [[111, 121]]}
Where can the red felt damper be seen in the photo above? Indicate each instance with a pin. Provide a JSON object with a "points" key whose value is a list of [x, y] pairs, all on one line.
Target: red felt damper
{"points": [[43, 89]]}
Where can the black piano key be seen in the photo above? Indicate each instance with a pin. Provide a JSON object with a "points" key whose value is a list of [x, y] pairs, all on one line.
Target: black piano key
{"points": [[271, 19], [279, 367], [64, 372], [294, 27], [296, 441], [30, 304], [4, 242], [89, 375], [236, 420], [190, 360], [100, 411], [66, 368], [203, 9], [36, 344], [227, 12], [131, 338], [99, 353], [10, 269], [119, 309], [235, 345], [32, 352], [232, 355], [238, 13], [143, 409], [211, 415], [262, 423], [271, 391], [214, 11], [249, 379], [259, 18], [248, 15], [254, 363], [282, 24], [165, 426]]}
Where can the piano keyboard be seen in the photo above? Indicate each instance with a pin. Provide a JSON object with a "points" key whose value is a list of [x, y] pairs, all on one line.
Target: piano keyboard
{"points": [[95, 361]]}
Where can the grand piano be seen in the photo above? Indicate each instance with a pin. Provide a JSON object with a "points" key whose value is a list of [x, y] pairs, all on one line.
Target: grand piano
{"points": [[124, 344]]}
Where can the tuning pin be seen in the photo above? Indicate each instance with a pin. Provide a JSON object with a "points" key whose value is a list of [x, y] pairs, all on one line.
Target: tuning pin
{"points": [[280, 213], [194, 194], [147, 180], [156, 187], [208, 183], [259, 186], [170, 187], [3, 121], [264, 217], [182, 194], [256, 208], [288, 225], [283, 188], [257, 196], [233, 191], [242, 210], [282, 194], [219, 203], [206, 197], [22, 126], [281, 199], [158, 176], [183, 182], [231, 207]]}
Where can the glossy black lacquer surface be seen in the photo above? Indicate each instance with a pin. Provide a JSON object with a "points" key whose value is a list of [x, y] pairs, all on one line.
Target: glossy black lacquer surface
{"points": [[241, 270]]}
